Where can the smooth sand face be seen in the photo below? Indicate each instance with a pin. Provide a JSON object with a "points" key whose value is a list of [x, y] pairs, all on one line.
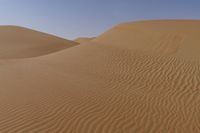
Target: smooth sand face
{"points": [[18, 42], [172, 37], [102, 87]]}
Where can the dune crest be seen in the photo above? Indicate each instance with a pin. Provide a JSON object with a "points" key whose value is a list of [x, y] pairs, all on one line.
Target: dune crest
{"points": [[19, 42], [169, 37]]}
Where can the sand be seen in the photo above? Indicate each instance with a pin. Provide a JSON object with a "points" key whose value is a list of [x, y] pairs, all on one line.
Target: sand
{"points": [[170, 37], [19, 42], [107, 86], [84, 39]]}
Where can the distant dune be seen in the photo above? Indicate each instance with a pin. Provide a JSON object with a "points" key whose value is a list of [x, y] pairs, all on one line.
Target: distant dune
{"points": [[19, 42], [135, 78], [84, 39]]}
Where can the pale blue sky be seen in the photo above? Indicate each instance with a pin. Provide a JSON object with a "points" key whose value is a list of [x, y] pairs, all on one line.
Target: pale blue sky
{"points": [[77, 18]]}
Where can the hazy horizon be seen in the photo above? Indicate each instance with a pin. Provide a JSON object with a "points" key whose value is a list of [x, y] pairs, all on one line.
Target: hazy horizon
{"points": [[72, 19]]}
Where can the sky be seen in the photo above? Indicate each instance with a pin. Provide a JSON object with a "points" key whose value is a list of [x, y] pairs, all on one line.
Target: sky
{"points": [[89, 18]]}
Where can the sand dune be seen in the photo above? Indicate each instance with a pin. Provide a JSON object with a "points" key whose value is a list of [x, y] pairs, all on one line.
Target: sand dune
{"points": [[19, 42], [170, 37], [84, 39], [105, 86]]}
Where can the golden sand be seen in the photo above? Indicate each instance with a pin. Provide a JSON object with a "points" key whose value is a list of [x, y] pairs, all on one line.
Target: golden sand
{"points": [[135, 78]]}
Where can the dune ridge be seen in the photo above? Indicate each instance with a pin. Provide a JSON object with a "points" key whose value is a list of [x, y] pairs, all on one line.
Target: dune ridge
{"points": [[103, 87], [169, 37], [20, 42]]}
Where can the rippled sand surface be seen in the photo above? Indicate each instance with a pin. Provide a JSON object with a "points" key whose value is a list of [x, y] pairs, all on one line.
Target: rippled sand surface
{"points": [[132, 79]]}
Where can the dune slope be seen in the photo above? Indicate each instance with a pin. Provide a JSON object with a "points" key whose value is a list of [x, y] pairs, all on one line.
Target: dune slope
{"points": [[101, 88], [84, 39], [19, 42], [169, 37]]}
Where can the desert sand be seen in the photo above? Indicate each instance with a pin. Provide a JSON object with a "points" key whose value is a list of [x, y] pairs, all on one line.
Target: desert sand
{"points": [[19, 42], [135, 78], [84, 39]]}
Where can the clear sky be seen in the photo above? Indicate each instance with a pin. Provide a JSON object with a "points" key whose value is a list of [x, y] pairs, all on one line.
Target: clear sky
{"points": [[87, 18]]}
